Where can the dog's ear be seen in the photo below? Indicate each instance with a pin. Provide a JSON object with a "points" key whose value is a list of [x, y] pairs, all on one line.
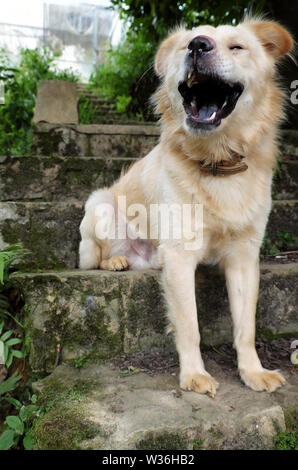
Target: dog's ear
{"points": [[276, 40], [163, 52]]}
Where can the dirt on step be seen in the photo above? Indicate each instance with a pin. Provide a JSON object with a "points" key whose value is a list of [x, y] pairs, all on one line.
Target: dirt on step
{"points": [[273, 355]]}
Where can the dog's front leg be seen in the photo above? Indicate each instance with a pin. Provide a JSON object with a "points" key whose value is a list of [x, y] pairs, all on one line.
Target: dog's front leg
{"points": [[179, 285], [242, 276]]}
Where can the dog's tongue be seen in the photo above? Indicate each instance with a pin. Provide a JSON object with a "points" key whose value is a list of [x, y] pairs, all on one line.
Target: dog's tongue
{"points": [[206, 111]]}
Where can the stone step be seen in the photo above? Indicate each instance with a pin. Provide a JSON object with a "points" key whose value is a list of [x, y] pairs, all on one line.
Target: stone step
{"points": [[100, 140], [57, 178], [112, 140], [50, 230], [101, 315], [95, 99], [100, 407], [64, 178]]}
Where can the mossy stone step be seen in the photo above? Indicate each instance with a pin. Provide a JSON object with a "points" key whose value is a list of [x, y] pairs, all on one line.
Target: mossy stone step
{"points": [[112, 140], [50, 230], [63, 178], [101, 314], [57, 178], [100, 140], [98, 407]]}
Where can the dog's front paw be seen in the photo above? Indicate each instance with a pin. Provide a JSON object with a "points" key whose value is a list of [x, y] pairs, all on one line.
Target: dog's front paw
{"points": [[259, 380], [199, 382]]}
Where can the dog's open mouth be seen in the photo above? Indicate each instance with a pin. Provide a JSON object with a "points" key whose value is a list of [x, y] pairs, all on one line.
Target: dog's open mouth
{"points": [[208, 99]]}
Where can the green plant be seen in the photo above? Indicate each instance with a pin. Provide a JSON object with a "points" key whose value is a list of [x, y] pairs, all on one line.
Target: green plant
{"points": [[86, 110], [19, 426], [7, 256], [21, 83], [80, 362], [122, 103], [283, 242], [267, 247], [126, 76], [9, 384], [288, 439], [6, 343]]}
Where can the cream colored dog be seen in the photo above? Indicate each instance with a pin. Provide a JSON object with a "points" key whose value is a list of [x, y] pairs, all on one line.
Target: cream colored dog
{"points": [[220, 108]]}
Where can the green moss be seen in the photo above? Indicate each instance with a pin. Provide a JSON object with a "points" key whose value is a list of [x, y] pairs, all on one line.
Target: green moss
{"points": [[46, 143], [288, 439], [82, 328], [65, 425], [163, 441], [197, 444], [63, 428], [37, 239], [215, 438]]}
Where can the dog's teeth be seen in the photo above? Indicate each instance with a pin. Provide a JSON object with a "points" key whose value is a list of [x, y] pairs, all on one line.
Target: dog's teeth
{"points": [[224, 104], [212, 116], [189, 75], [231, 84]]}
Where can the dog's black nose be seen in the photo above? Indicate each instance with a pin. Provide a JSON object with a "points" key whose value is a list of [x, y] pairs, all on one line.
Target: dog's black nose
{"points": [[201, 44]]}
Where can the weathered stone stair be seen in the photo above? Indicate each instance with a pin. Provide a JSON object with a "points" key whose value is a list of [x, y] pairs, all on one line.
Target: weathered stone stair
{"points": [[43, 195], [104, 110], [92, 316]]}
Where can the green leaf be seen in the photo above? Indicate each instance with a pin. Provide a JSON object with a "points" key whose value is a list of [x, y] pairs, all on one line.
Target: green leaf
{"points": [[2, 352], [9, 359], [32, 408], [13, 341], [17, 354], [6, 440], [28, 441], [5, 353], [15, 423], [27, 411], [14, 402], [9, 384], [34, 398], [6, 335]]}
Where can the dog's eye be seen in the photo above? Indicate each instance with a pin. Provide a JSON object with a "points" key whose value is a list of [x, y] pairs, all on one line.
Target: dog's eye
{"points": [[235, 47]]}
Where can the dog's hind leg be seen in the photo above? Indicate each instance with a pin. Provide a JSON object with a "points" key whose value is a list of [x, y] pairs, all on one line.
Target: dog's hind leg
{"points": [[90, 254]]}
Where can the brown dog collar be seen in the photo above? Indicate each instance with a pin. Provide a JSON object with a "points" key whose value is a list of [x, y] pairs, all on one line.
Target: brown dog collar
{"points": [[224, 167]]}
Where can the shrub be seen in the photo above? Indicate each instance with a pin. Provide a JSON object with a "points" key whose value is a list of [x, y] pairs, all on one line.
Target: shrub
{"points": [[126, 77], [21, 84]]}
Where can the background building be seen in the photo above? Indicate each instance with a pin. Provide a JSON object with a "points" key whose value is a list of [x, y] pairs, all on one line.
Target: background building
{"points": [[78, 31]]}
